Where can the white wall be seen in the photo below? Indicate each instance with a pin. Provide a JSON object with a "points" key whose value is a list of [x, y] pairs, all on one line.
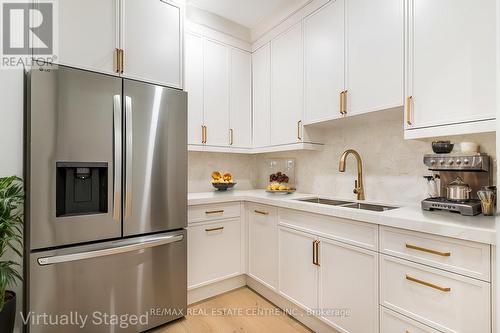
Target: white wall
{"points": [[11, 122], [11, 141]]}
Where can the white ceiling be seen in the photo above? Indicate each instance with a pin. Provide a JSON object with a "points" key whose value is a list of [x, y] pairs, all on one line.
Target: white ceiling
{"points": [[248, 13]]}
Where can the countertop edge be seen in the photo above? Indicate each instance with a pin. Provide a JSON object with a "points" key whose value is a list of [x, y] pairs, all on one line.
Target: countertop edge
{"points": [[395, 218]]}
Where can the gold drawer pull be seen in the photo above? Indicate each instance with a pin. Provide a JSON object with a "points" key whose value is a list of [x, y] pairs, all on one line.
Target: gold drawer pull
{"points": [[423, 249], [261, 212], [215, 211], [214, 229], [428, 284]]}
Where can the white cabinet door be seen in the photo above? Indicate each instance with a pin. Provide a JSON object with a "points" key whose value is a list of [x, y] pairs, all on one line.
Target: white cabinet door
{"points": [[241, 99], [152, 32], [216, 93], [263, 244], [451, 60], [287, 86], [214, 251], [349, 280], [194, 87], [261, 74], [375, 53], [88, 34], [298, 274], [324, 62]]}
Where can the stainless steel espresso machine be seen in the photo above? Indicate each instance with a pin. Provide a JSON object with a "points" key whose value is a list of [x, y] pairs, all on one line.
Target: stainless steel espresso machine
{"points": [[469, 169]]}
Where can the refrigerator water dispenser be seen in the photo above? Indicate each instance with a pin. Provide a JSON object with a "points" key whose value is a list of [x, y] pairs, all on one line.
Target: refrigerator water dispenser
{"points": [[82, 188]]}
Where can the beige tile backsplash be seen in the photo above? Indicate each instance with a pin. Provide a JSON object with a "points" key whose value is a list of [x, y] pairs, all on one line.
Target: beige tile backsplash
{"points": [[393, 167]]}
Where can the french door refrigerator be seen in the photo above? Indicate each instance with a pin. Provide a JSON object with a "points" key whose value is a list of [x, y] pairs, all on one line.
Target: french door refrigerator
{"points": [[106, 209]]}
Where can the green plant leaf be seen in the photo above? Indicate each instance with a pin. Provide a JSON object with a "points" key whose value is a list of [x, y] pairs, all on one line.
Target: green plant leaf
{"points": [[11, 228]]}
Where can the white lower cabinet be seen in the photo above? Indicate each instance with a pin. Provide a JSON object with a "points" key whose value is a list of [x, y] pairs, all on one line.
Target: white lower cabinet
{"points": [[298, 268], [263, 244], [393, 322], [337, 281], [446, 301], [214, 251], [348, 296]]}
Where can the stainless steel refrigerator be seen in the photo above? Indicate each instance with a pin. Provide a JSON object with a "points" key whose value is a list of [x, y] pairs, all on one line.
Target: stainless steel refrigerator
{"points": [[106, 182]]}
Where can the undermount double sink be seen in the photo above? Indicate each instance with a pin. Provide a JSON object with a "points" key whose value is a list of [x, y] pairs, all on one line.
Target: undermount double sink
{"points": [[348, 204]]}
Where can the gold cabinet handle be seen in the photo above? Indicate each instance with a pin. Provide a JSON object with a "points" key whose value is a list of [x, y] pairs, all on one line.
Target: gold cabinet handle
{"points": [[118, 59], [215, 211], [409, 102], [316, 253], [299, 125], [341, 106], [123, 61], [203, 134], [344, 96], [428, 284], [423, 249], [214, 229], [261, 212], [230, 136]]}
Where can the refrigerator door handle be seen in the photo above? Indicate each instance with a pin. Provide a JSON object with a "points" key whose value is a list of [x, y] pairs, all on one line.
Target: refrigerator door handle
{"points": [[129, 156], [153, 241], [117, 163]]}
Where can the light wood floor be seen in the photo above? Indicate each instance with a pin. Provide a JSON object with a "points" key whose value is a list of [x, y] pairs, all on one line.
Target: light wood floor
{"points": [[240, 306]]}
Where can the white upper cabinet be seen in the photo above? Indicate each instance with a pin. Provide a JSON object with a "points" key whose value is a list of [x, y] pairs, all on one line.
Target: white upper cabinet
{"points": [[367, 74], [374, 55], [219, 84], [451, 63], [216, 93], [88, 34], [324, 62], [194, 87], [152, 41], [261, 70], [241, 99], [287, 87], [148, 31]]}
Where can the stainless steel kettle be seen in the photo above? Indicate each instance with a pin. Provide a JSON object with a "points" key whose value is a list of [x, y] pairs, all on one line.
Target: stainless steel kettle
{"points": [[458, 190]]}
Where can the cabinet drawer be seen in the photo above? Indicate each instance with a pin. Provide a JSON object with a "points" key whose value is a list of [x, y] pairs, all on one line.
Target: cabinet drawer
{"points": [[214, 252], [348, 231], [393, 322], [446, 301], [202, 213], [462, 257]]}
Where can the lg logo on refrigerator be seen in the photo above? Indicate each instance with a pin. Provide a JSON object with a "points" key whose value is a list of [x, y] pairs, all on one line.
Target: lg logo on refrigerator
{"points": [[27, 29]]}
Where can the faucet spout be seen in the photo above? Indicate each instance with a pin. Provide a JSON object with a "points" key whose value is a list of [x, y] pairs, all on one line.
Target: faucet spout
{"points": [[358, 184]]}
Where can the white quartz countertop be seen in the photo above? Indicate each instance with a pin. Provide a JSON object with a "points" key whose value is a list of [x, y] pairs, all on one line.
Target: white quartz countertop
{"points": [[474, 228]]}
